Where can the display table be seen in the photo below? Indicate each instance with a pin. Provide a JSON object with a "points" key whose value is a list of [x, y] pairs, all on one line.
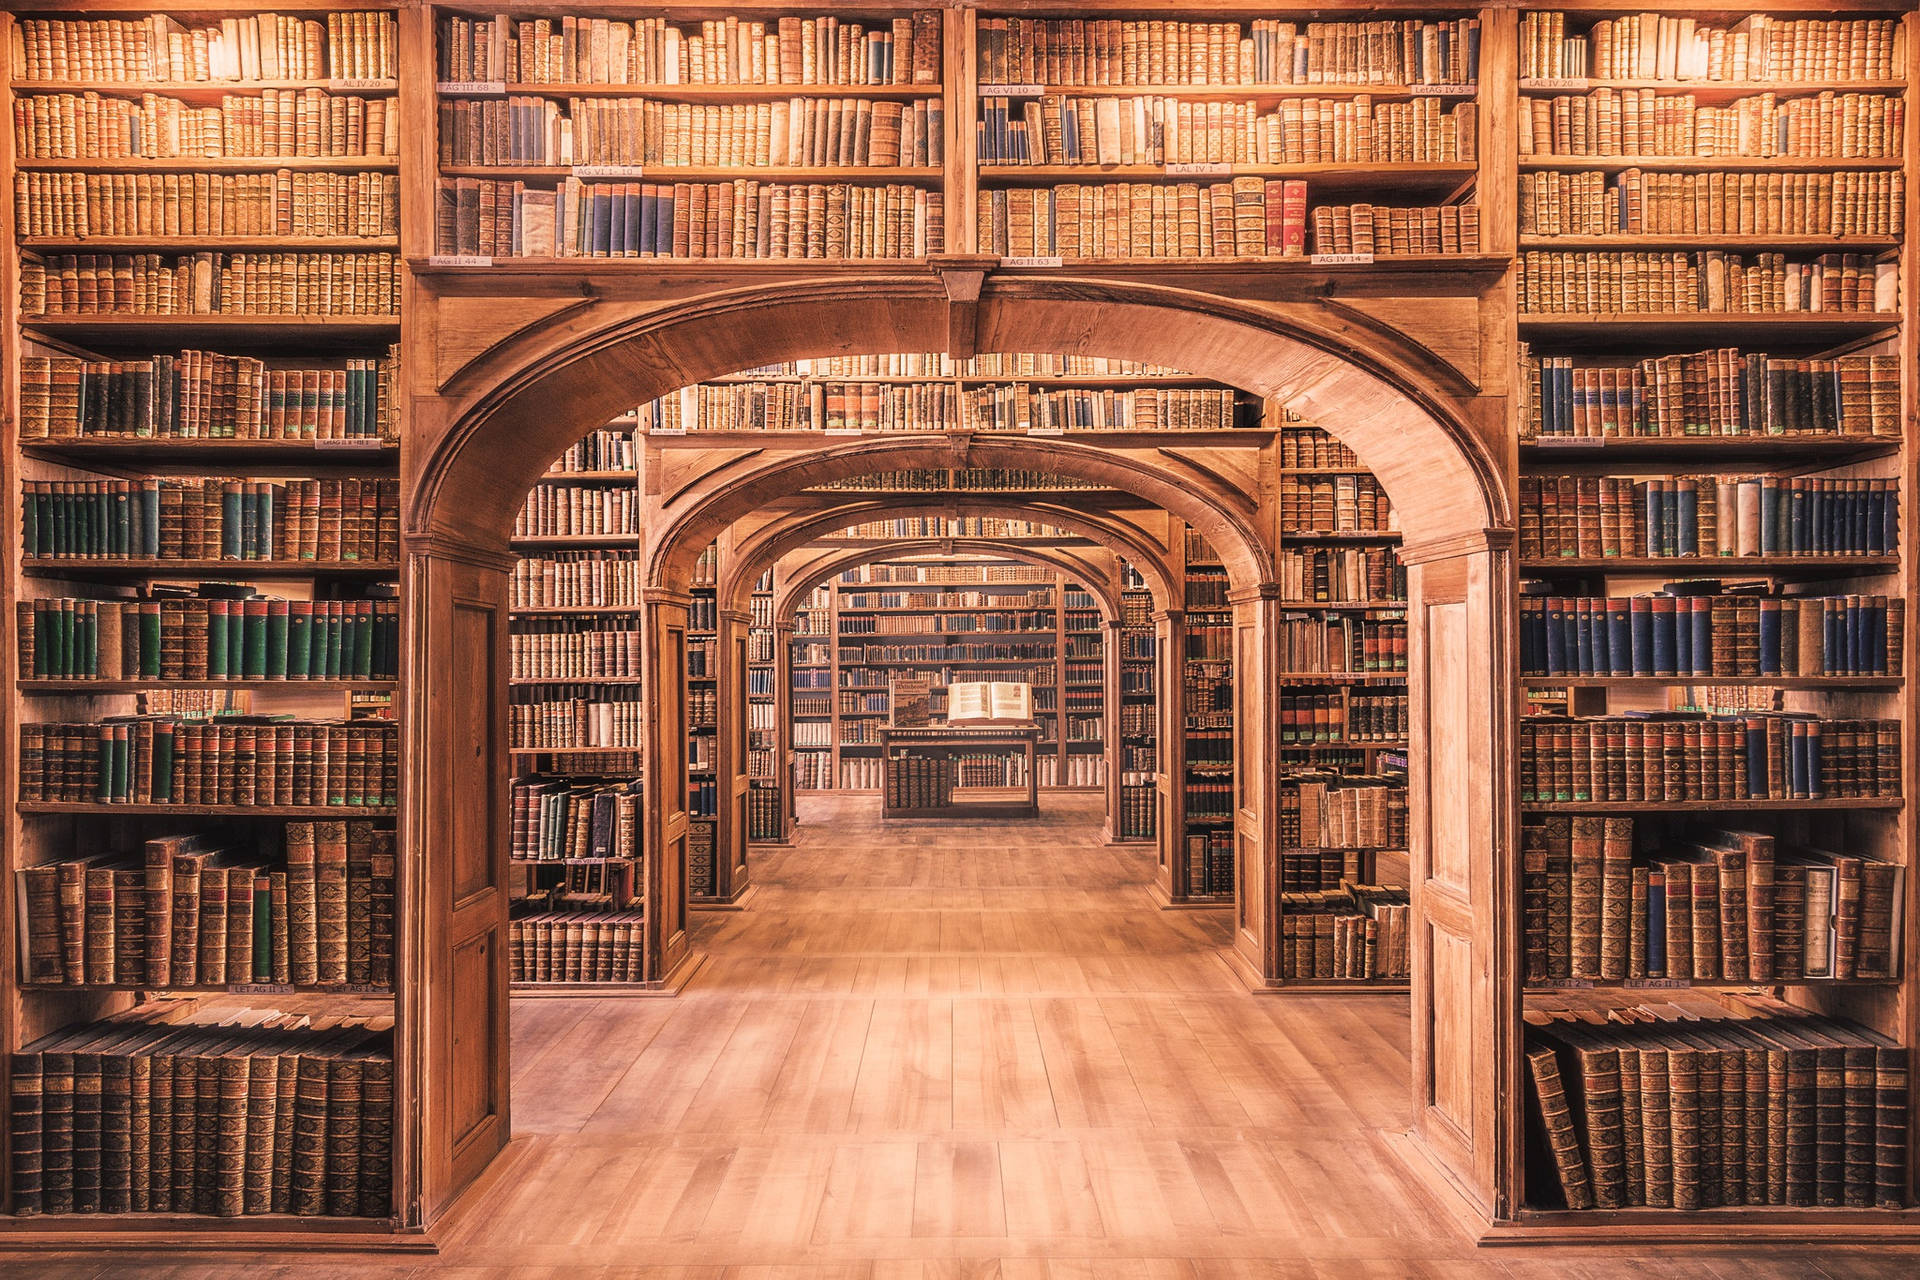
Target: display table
{"points": [[923, 770]]}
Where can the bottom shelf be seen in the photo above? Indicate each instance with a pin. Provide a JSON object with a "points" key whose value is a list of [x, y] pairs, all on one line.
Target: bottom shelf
{"points": [[183, 1232], [1777, 1223]]}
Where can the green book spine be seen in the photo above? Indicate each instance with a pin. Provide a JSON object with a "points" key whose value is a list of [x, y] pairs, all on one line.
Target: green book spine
{"points": [[218, 664], [163, 747], [150, 519], [363, 642], [300, 639], [232, 521], [256, 632], [277, 623], [150, 639], [336, 639], [87, 659]]}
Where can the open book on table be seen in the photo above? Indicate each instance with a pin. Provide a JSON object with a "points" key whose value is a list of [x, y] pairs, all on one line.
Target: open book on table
{"points": [[979, 703]]}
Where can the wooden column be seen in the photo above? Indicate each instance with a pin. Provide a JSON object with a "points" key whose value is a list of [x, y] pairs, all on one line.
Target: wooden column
{"points": [[1256, 781], [451, 1047], [730, 755], [664, 759], [1110, 715], [1169, 656], [1462, 815]]}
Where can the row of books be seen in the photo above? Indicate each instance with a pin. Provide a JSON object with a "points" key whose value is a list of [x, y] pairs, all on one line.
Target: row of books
{"points": [[562, 716], [204, 395], [938, 364], [1138, 817], [1209, 858], [1343, 811], [940, 479], [1017, 651], [765, 813], [745, 218], [1829, 125], [172, 1107], [1314, 447], [608, 449], [1692, 1109], [919, 781], [80, 206], [577, 946], [212, 518], [956, 574], [1074, 51], [934, 624], [575, 580], [1335, 504], [1246, 217], [309, 284], [1313, 870], [1082, 770], [308, 904], [552, 649], [1687, 631], [1710, 280], [644, 131], [1068, 129], [1354, 932], [1722, 392], [193, 638], [350, 45], [561, 510], [1612, 900], [1341, 575], [562, 819], [1758, 48], [1339, 643], [719, 51], [1686, 756], [272, 124], [1206, 590], [1350, 717], [1635, 202], [240, 761], [1383, 232], [1707, 515]]}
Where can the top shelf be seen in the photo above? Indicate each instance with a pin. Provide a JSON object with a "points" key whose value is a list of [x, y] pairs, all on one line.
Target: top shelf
{"points": [[1710, 90], [684, 92], [1464, 92], [200, 90]]}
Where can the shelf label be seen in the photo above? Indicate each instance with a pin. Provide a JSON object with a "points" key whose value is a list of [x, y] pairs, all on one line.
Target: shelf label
{"points": [[1444, 90], [1576, 83], [355, 86], [351, 444], [459, 260], [607, 171], [1200, 169], [472, 88], [1029, 262], [1013, 90], [841, 431], [1045, 431], [1341, 259], [284, 989], [666, 431], [1565, 442]]}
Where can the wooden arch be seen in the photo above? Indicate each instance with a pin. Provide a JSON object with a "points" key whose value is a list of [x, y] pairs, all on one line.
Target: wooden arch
{"points": [[822, 567], [764, 546], [520, 402]]}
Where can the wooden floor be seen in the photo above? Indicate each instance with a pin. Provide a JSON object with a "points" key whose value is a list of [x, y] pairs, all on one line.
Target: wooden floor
{"points": [[929, 1053]]}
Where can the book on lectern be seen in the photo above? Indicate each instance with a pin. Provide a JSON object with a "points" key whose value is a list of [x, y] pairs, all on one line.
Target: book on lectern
{"points": [[980, 703]]}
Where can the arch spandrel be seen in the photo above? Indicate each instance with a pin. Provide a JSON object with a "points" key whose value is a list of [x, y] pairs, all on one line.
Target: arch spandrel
{"points": [[819, 570], [1388, 398]]}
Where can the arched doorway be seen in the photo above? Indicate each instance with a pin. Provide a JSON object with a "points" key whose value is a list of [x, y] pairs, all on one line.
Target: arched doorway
{"points": [[1405, 412]]}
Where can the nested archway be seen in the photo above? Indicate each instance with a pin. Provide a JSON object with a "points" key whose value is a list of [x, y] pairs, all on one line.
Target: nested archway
{"points": [[496, 419]]}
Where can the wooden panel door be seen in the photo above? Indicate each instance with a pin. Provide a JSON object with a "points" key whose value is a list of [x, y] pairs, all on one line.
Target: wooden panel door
{"points": [[455, 904], [1456, 791], [665, 783]]}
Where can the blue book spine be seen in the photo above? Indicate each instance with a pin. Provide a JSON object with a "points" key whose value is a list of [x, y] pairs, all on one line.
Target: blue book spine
{"points": [[1756, 749], [1687, 517], [1797, 783], [1769, 518], [1682, 638], [1640, 622], [1702, 648], [1620, 647], [1664, 646], [1583, 637], [1815, 761], [1555, 635], [1656, 923], [1877, 629]]}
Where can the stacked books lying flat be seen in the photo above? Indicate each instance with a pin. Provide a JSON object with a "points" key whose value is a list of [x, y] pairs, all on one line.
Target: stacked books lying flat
{"points": [[213, 910], [1713, 393], [212, 518], [272, 124], [1694, 1110], [1708, 281], [557, 819], [1355, 931], [1708, 515], [240, 761], [199, 395], [745, 218], [191, 638], [168, 1108], [1680, 755], [643, 131], [1612, 899], [578, 946], [264, 284], [1693, 629]]}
